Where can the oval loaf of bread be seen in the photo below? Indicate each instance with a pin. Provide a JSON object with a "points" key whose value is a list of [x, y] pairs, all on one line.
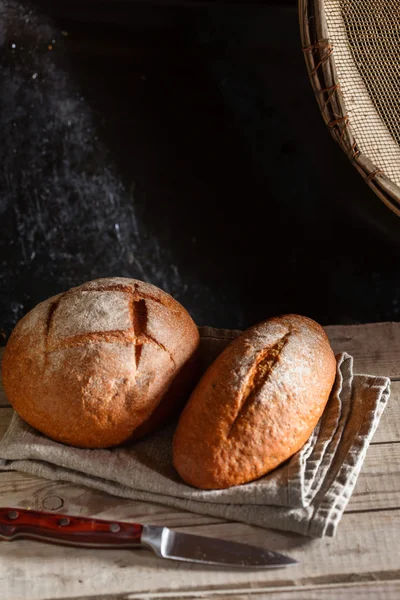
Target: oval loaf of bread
{"points": [[256, 405], [101, 363]]}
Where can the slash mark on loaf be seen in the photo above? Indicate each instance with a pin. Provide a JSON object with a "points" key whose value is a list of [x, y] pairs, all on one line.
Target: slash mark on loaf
{"points": [[136, 335], [261, 369], [116, 287], [50, 315], [139, 323], [153, 341], [139, 317], [117, 336], [126, 289]]}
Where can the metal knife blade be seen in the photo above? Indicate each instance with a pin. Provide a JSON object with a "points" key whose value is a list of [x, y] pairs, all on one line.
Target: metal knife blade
{"points": [[210, 551], [16, 523]]}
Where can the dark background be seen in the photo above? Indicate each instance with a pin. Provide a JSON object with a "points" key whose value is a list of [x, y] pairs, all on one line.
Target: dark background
{"points": [[181, 145]]}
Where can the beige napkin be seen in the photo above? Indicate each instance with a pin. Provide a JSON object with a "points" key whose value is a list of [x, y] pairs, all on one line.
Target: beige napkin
{"points": [[308, 494]]}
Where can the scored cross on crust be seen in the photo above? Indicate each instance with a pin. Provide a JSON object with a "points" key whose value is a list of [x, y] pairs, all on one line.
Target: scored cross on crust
{"points": [[73, 316]]}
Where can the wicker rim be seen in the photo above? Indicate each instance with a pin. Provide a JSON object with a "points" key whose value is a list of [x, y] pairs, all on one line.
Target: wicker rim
{"points": [[319, 57]]}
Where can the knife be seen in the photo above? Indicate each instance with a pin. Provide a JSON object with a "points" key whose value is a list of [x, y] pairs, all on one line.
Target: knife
{"points": [[17, 523]]}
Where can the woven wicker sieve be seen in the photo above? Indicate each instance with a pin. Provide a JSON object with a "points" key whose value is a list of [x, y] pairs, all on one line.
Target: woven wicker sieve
{"points": [[352, 52]]}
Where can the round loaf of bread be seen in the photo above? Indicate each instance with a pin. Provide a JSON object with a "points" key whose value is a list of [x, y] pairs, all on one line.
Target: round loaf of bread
{"points": [[102, 363], [256, 405]]}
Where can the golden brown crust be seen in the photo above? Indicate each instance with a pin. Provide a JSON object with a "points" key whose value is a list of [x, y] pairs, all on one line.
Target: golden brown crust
{"points": [[88, 367], [256, 405]]}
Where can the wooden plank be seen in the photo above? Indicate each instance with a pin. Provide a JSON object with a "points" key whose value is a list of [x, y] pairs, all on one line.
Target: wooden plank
{"points": [[378, 485], [382, 590], [375, 346], [366, 549], [389, 426], [387, 590]]}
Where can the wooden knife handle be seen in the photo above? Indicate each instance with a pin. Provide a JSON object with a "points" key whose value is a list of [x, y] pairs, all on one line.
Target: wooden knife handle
{"points": [[18, 523]]}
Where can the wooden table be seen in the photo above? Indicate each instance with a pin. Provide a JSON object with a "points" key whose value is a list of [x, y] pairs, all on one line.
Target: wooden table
{"points": [[362, 562]]}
